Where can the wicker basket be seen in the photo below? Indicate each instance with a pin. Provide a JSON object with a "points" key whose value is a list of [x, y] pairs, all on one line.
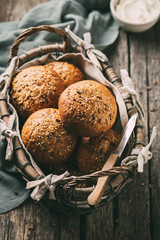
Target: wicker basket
{"points": [[69, 197]]}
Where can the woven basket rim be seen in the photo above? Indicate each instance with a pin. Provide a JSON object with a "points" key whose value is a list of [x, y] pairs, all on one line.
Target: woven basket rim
{"points": [[109, 72]]}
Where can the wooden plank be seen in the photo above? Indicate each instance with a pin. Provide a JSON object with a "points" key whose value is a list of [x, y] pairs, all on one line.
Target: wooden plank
{"points": [[30, 221], [37, 221], [99, 224], [69, 227], [133, 203], [130, 206], [153, 61], [13, 10]]}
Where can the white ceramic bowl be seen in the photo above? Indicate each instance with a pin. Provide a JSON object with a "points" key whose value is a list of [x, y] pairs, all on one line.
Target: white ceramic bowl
{"points": [[133, 27]]}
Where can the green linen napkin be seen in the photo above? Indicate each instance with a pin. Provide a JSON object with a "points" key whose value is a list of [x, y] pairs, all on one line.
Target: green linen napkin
{"points": [[12, 186], [83, 16]]}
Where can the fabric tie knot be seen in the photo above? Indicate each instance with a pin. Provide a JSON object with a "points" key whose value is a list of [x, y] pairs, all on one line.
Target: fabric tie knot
{"points": [[145, 154], [129, 90], [141, 156], [88, 49], [46, 183], [86, 43], [7, 135]]}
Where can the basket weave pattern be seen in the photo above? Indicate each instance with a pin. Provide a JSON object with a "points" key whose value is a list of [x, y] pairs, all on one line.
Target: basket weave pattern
{"points": [[68, 194]]}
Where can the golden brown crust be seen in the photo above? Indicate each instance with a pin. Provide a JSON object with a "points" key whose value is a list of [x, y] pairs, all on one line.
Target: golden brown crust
{"points": [[35, 88], [92, 153], [87, 108], [68, 72], [46, 139]]}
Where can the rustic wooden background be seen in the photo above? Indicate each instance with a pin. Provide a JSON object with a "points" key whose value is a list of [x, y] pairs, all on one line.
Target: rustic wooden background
{"points": [[135, 213]]}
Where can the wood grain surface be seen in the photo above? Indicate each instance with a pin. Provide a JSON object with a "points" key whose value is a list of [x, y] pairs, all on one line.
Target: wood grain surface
{"points": [[135, 213]]}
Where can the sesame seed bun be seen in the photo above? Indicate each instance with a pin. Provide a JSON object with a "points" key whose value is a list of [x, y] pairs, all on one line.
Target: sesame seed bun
{"points": [[35, 88], [68, 72], [87, 108], [92, 153], [46, 139]]}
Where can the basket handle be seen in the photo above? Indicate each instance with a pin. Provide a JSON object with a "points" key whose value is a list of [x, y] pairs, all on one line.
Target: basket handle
{"points": [[30, 31]]}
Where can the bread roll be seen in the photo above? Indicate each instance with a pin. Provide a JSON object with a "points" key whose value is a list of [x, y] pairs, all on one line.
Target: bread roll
{"points": [[68, 72], [35, 88], [87, 108], [92, 153], [46, 139]]}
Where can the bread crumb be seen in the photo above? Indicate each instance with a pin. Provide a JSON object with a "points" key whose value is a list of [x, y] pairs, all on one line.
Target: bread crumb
{"points": [[148, 88]]}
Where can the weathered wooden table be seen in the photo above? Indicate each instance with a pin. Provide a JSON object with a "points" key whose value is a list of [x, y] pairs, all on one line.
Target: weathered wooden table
{"points": [[135, 213]]}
